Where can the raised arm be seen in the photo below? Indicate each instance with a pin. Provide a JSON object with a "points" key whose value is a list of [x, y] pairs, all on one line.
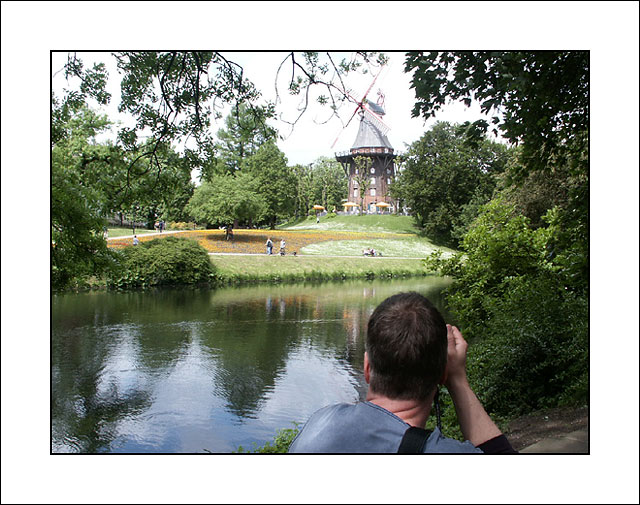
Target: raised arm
{"points": [[475, 423]]}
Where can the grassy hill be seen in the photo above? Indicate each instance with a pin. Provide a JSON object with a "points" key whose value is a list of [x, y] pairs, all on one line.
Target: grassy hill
{"points": [[372, 223]]}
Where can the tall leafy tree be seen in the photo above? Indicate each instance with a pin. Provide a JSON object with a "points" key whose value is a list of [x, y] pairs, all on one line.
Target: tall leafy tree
{"points": [[246, 131], [445, 179], [276, 182], [539, 99], [226, 199], [77, 205], [304, 189], [362, 178], [330, 184]]}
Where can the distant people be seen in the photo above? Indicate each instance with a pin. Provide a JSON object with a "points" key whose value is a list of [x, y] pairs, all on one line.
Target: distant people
{"points": [[283, 245], [161, 226], [157, 225], [135, 240], [269, 245], [105, 233]]}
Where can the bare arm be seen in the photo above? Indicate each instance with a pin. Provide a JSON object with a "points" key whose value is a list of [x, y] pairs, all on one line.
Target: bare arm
{"points": [[475, 423]]}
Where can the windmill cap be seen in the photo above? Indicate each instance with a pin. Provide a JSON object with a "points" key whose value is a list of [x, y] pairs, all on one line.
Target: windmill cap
{"points": [[375, 108]]}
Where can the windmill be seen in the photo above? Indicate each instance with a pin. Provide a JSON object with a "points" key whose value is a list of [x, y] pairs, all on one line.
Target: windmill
{"points": [[372, 143], [368, 109]]}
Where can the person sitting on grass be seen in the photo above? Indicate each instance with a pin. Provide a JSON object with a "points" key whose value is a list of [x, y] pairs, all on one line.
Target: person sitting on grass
{"points": [[409, 351]]}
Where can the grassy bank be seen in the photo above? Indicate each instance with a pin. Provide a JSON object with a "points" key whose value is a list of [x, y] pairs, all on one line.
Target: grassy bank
{"points": [[244, 269], [410, 246], [374, 223]]}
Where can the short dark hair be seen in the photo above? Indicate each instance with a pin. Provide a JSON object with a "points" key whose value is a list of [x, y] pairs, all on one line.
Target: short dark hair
{"points": [[407, 347]]}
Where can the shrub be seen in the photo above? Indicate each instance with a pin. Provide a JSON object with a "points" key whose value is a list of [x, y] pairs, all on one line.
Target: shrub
{"points": [[517, 305], [534, 351], [161, 262], [179, 225], [279, 445]]}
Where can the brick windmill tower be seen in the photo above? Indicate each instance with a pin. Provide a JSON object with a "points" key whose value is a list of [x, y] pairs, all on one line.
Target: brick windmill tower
{"points": [[372, 144]]}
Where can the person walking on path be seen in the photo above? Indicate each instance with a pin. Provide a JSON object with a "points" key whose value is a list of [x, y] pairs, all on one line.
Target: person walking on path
{"points": [[269, 245], [282, 247], [135, 240]]}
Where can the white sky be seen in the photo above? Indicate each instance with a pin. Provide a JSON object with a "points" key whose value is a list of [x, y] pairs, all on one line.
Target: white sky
{"points": [[312, 136], [30, 30]]}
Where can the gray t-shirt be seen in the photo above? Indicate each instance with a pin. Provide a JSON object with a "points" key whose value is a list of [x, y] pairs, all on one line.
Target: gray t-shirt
{"points": [[364, 428]]}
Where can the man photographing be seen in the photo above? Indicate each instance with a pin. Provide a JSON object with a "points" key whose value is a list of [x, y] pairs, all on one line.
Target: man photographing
{"points": [[409, 350]]}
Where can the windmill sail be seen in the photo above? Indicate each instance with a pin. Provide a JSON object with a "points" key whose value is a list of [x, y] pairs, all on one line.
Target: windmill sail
{"points": [[377, 122]]}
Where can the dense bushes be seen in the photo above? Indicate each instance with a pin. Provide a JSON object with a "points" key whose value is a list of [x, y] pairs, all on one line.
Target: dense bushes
{"points": [[516, 301], [161, 262]]}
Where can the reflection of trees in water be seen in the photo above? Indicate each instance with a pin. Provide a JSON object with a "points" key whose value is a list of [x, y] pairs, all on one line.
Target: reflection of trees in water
{"points": [[247, 338], [252, 350], [84, 414]]}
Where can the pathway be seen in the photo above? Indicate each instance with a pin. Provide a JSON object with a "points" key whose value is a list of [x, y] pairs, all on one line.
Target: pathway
{"points": [[576, 442]]}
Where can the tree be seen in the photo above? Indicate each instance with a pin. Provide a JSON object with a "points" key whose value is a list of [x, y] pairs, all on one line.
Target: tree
{"points": [[225, 199], [538, 98], [246, 130], [276, 182], [445, 180], [304, 189], [362, 178], [77, 207], [330, 184]]}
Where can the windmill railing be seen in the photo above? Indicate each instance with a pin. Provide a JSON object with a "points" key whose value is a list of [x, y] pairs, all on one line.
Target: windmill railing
{"points": [[364, 150]]}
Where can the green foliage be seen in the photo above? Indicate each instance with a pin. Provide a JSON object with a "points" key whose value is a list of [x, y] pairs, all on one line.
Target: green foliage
{"points": [[520, 306], [330, 184], [246, 130], [362, 179], [162, 262], [534, 349], [543, 97], [279, 445], [77, 204], [181, 225], [276, 183], [446, 179], [226, 198]]}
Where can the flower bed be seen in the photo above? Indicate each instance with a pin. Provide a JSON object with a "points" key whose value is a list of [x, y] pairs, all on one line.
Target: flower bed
{"points": [[253, 241]]}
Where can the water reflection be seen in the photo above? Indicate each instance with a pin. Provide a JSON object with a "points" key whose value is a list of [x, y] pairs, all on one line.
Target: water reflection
{"points": [[200, 370]]}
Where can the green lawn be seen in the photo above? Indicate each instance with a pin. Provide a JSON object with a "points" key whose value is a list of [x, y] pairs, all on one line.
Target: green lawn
{"points": [[272, 268], [374, 223], [122, 232], [410, 247]]}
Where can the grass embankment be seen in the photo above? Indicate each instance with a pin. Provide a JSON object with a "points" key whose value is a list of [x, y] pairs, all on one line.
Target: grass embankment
{"points": [[329, 250], [373, 223], [244, 269]]}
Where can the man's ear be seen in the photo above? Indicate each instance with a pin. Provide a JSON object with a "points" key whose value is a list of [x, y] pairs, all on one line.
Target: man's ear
{"points": [[443, 379], [367, 368]]}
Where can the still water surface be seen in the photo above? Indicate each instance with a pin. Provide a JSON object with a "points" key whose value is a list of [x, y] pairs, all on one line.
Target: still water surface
{"points": [[206, 371]]}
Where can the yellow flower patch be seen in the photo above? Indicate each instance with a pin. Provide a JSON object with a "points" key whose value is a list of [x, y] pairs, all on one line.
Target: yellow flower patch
{"points": [[253, 241]]}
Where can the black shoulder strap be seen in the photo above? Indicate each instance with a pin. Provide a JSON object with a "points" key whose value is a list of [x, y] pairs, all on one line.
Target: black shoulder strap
{"points": [[413, 440]]}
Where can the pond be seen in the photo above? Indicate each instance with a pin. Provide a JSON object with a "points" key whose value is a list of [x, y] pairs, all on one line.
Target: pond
{"points": [[197, 371]]}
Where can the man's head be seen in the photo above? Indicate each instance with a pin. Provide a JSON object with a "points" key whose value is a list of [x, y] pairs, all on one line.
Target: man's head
{"points": [[406, 347]]}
